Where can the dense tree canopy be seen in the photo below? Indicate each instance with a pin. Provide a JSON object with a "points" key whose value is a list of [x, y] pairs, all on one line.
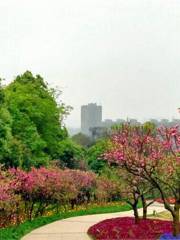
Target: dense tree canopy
{"points": [[94, 155], [30, 122], [82, 140], [71, 155]]}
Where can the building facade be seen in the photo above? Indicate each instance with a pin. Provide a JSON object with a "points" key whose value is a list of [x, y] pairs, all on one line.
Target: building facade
{"points": [[91, 116]]}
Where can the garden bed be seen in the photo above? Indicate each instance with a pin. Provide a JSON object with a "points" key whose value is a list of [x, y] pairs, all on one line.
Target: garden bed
{"points": [[125, 228]]}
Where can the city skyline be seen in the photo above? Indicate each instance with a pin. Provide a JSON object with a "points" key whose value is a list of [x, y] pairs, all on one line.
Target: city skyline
{"points": [[120, 117], [90, 118]]}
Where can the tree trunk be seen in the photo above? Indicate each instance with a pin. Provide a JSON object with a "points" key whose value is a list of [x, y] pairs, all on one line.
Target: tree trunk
{"points": [[136, 215], [31, 211], [145, 212], [174, 211], [176, 220], [144, 207], [73, 202]]}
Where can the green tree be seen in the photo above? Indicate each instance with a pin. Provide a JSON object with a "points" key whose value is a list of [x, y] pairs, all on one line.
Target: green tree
{"points": [[5, 127], [149, 126], [94, 155], [5, 134], [36, 124], [82, 140], [71, 155]]}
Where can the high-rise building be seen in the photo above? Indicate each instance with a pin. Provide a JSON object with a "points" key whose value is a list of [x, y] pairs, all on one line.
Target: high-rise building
{"points": [[91, 116]]}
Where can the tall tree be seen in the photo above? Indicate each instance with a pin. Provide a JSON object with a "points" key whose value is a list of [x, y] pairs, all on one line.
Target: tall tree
{"points": [[5, 129], [36, 126]]}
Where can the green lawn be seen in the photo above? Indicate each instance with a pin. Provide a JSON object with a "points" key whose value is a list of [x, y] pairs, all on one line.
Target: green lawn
{"points": [[17, 232], [165, 215]]}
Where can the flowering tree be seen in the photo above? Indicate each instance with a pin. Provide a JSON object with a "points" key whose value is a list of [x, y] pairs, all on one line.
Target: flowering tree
{"points": [[153, 157], [130, 193], [133, 189]]}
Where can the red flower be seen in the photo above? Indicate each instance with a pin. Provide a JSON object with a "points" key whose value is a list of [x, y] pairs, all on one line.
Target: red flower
{"points": [[125, 228]]}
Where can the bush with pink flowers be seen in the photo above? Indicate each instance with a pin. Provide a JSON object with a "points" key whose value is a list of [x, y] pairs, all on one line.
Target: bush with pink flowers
{"points": [[107, 189], [9, 201], [26, 195]]}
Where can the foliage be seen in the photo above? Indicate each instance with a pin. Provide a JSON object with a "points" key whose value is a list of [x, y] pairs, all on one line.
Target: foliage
{"points": [[82, 139], [27, 195], [30, 122], [107, 189], [9, 201], [71, 155], [149, 126], [125, 228], [36, 115], [94, 155]]}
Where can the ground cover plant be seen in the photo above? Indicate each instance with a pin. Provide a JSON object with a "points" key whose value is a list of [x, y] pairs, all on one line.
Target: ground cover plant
{"points": [[125, 228]]}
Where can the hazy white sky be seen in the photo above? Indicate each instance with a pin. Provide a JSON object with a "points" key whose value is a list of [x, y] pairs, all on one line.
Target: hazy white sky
{"points": [[123, 54]]}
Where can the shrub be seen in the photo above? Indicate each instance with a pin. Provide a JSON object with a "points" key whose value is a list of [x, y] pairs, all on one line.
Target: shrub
{"points": [[26, 195]]}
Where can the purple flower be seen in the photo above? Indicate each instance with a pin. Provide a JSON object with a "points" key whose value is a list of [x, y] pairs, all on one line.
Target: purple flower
{"points": [[169, 236]]}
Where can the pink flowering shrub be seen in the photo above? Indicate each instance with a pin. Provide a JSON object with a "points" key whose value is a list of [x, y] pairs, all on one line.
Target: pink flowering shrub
{"points": [[50, 186], [82, 180], [125, 228], [9, 201], [106, 189], [26, 195], [84, 183], [42, 187]]}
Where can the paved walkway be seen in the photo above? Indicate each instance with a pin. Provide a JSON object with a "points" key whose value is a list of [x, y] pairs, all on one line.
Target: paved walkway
{"points": [[75, 228]]}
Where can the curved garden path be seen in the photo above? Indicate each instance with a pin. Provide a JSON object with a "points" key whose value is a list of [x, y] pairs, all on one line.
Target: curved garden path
{"points": [[75, 228]]}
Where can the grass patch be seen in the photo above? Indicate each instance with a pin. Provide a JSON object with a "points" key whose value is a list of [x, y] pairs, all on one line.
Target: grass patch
{"points": [[165, 215], [17, 232]]}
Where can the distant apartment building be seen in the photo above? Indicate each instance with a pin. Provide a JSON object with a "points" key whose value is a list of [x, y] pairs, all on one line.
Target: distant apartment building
{"points": [[93, 125], [91, 116]]}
